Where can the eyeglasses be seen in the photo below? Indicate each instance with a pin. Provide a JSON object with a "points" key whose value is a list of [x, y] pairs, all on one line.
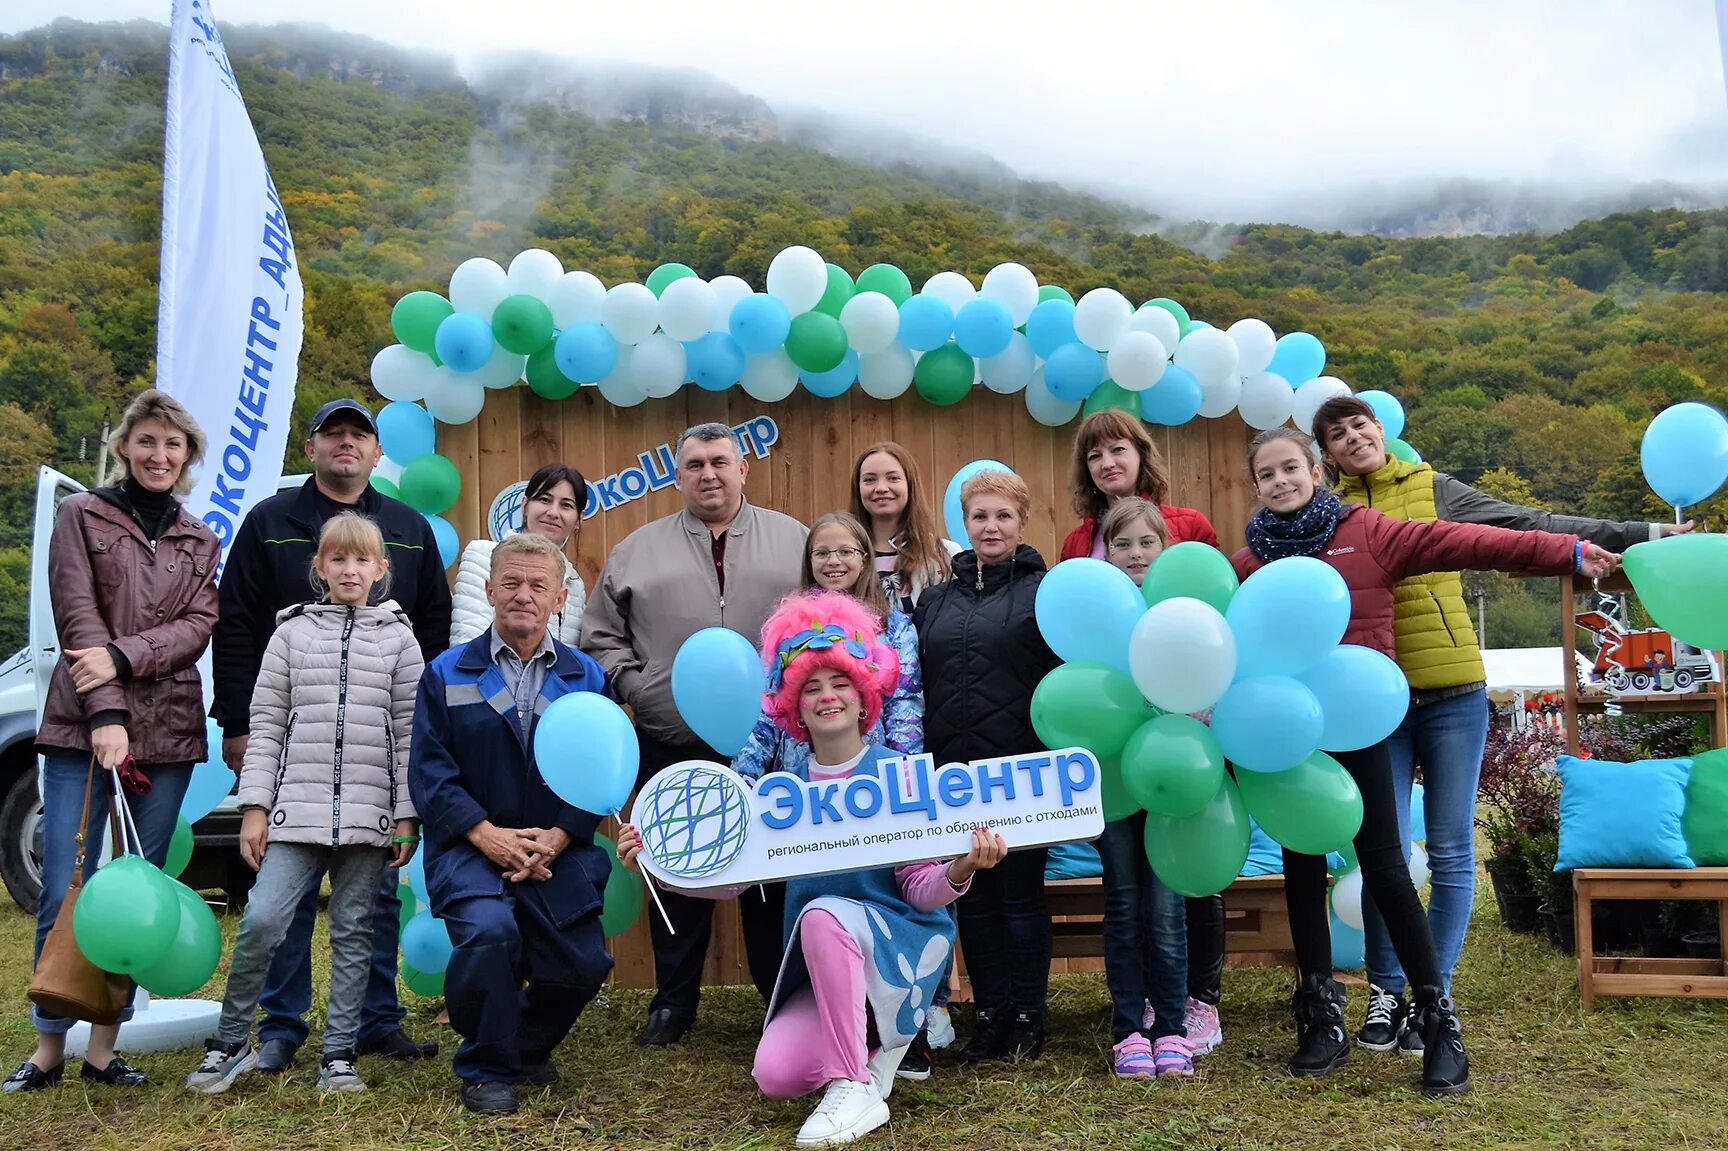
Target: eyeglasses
{"points": [[823, 555]]}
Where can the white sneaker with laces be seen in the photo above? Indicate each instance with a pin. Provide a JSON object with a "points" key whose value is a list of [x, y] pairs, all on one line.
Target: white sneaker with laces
{"points": [[882, 1067], [1204, 1027], [337, 1073], [938, 1028], [848, 1111], [220, 1067]]}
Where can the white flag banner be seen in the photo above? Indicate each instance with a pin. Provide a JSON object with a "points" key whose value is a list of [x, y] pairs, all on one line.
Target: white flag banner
{"points": [[229, 322]]}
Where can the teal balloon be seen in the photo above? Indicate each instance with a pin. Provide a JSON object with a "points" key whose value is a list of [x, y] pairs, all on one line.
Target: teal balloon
{"points": [[1349, 945], [1387, 410], [1363, 696], [428, 984], [1685, 453], [717, 686], [179, 849], [1313, 808], [1682, 581], [1172, 765], [1054, 292], [211, 780], [665, 274], [1200, 854], [1086, 611], [1298, 357], [1267, 723], [1090, 706], [426, 943], [1398, 449], [192, 957], [622, 901], [127, 916], [588, 753], [1287, 615], [410, 907]]}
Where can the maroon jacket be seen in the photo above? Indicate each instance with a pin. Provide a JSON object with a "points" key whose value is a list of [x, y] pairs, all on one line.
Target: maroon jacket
{"points": [[156, 605], [1373, 551]]}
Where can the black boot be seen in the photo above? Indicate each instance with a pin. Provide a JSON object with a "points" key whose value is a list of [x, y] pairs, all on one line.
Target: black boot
{"points": [[1321, 1043], [1445, 1067], [989, 1036], [1025, 1040]]}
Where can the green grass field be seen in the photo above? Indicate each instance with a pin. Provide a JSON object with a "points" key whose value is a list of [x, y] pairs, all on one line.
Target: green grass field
{"points": [[1637, 1073]]}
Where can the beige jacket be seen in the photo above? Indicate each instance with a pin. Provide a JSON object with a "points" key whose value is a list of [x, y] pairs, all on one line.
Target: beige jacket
{"points": [[658, 588]]}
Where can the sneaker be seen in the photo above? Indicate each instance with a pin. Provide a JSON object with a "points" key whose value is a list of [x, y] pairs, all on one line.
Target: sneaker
{"points": [[1025, 1038], [882, 1067], [1172, 1058], [223, 1063], [1387, 1022], [989, 1036], [336, 1072], [1321, 1043], [1204, 1026], [917, 1063], [1410, 1043], [939, 1028], [1133, 1058], [1445, 1066], [848, 1111]]}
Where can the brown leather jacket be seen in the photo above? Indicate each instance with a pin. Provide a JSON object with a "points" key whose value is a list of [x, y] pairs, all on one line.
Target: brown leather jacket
{"points": [[156, 604]]}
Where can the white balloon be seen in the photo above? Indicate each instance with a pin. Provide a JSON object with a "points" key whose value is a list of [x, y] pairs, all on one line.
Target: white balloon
{"points": [[1012, 369], [630, 313], [1255, 345], [454, 398], [1044, 405], [1347, 898], [1266, 400], [687, 309], [401, 373], [1101, 317], [1205, 647], [728, 290], [1310, 396], [871, 321], [1219, 397], [501, 370], [951, 288], [576, 298], [797, 277], [770, 376], [1159, 322], [534, 272], [388, 469], [1209, 354], [1419, 872], [478, 286], [886, 374], [618, 385], [658, 365], [1137, 360], [1014, 287]]}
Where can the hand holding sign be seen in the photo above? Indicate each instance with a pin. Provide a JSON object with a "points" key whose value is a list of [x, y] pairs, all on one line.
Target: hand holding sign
{"points": [[988, 849]]}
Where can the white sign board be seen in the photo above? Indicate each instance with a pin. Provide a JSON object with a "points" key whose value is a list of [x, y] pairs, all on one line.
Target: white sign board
{"points": [[704, 825]]}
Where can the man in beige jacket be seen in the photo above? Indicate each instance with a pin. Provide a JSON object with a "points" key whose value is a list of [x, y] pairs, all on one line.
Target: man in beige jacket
{"points": [[721, 562]]}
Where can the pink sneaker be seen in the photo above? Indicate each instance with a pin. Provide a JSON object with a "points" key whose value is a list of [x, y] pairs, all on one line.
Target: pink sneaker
{"points": [[1172, 1058], [1134, 1058], [1205, 1029]]}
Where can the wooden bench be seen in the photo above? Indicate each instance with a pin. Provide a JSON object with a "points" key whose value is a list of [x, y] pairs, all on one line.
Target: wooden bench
{"points": [[1618, 975]]}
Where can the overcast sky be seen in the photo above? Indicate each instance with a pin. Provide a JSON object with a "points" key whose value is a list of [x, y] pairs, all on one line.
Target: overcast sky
{"points": [[1228, 106]]}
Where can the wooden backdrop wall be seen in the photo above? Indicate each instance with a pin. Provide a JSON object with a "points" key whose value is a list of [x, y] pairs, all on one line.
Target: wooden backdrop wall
{"points": [[807, 472]]}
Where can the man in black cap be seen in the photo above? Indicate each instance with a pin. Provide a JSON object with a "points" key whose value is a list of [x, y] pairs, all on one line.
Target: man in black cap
{"points": [[269, 567]]}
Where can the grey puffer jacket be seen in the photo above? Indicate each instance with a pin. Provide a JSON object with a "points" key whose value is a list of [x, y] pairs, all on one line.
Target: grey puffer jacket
{"points": [[331, 718]]}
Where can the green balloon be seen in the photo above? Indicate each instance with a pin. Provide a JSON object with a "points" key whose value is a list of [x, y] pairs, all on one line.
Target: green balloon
{"points": [[1183, 323], [1682, 581], [1054, 292], [545, 379], [387, 487], [665, 274], [1312, 808], [944, 376], [422, 983], [179, 849], [1111, 396], [888, 280], [430, 484], [1113, 793], [410, 905], [522, 324], [127, 916], [1088, 705], [192, 958], [816, 342], [416, 317], [1203, 853], [1191, 569], [1398, 448], [839, 290], [1172, 765], [621, 903]]}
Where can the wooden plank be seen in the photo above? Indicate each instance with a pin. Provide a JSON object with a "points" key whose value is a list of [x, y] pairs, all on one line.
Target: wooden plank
{"points": [[1664, 986]]}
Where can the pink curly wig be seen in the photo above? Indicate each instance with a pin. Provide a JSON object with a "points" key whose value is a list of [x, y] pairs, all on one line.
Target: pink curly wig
{"points": [[799, 619]]}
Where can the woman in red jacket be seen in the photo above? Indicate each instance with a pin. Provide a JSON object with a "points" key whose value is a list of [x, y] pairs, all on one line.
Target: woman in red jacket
{"points": [[1300, 517]]}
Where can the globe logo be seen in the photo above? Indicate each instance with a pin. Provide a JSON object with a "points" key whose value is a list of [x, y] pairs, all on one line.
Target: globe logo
{"points": [[693, 820], [504, 517]]}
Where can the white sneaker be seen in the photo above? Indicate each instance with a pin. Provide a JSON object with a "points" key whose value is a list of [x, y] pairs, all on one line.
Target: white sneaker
{"points": [[220, 1067], [848, 1111], [337, 1073], [938, 1028], [882, 1067]]}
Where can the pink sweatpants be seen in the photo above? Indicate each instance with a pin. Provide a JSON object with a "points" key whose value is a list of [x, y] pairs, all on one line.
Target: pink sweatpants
{"points": [[820, 1032]]}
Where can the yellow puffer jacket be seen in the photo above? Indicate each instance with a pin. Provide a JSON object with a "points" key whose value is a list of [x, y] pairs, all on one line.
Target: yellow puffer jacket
{"points": [[1437, 646]]}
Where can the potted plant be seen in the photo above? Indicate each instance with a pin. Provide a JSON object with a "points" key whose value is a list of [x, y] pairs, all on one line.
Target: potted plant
{"points": [[1519, 813]]}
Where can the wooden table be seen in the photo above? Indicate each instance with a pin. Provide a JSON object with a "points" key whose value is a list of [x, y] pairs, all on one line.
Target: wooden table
{"points": [[1618, 975]]}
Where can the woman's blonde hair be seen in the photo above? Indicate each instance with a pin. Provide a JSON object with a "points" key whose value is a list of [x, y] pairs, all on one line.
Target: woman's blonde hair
{"points": [[152, 404], [1124, 512], [993, 483], [922, 560], [355, 533], [1152, 481], [1273, 435], [867, 587]]}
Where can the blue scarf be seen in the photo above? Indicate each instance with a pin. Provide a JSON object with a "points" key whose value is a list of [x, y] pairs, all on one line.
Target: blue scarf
{"points": [[1272, 536]]}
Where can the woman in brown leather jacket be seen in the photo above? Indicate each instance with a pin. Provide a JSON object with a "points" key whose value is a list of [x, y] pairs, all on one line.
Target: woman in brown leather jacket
{"points": [[134, 594]]}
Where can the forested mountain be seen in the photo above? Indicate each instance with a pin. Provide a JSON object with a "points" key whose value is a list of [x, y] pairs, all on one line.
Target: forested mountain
{"points": [[1540, 354]]}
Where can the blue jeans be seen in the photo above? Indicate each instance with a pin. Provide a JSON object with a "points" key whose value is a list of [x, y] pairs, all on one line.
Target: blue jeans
{"points": [[63, 778], [288, 986], [1447, 738], [1145, 936]]}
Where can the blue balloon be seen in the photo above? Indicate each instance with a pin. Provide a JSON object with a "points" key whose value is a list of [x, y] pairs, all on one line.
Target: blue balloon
{"points": [[406, 431], [587, 752], [1349, 946], [449, 542], [585, 353], [414, 874], [1193, 324], [1362, 694], [925, 323], [211, 780], [463, 342], [717, 685], [1087, 610], [953, 514], [1298, 357], [834, 381], [1387, 410], [1418, 814], [983, 328], [1050, 325], [715, 361], [426, 943], [1287, 615], [1072, 371], [1173, 400], [1265, 722], [1685, 453], [759, 323]]}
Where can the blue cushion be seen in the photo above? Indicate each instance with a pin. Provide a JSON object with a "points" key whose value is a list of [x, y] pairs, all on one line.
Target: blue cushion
{"points": [[1265, 857], [1073, 861], [1622, 814]]}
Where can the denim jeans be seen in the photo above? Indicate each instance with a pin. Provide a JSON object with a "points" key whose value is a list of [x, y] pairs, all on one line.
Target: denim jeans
{"points": [[1005, 931], [1145, 935], [62, 801], [1447, 738], [274, 904], [288, 986]]}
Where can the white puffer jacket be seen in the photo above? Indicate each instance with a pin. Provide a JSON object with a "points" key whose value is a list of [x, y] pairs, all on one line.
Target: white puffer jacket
{"points": [[331, 717], [470, 614]]}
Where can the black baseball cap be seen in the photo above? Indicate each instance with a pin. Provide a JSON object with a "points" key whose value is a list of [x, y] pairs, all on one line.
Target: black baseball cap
{"points": [[356, 412]]}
